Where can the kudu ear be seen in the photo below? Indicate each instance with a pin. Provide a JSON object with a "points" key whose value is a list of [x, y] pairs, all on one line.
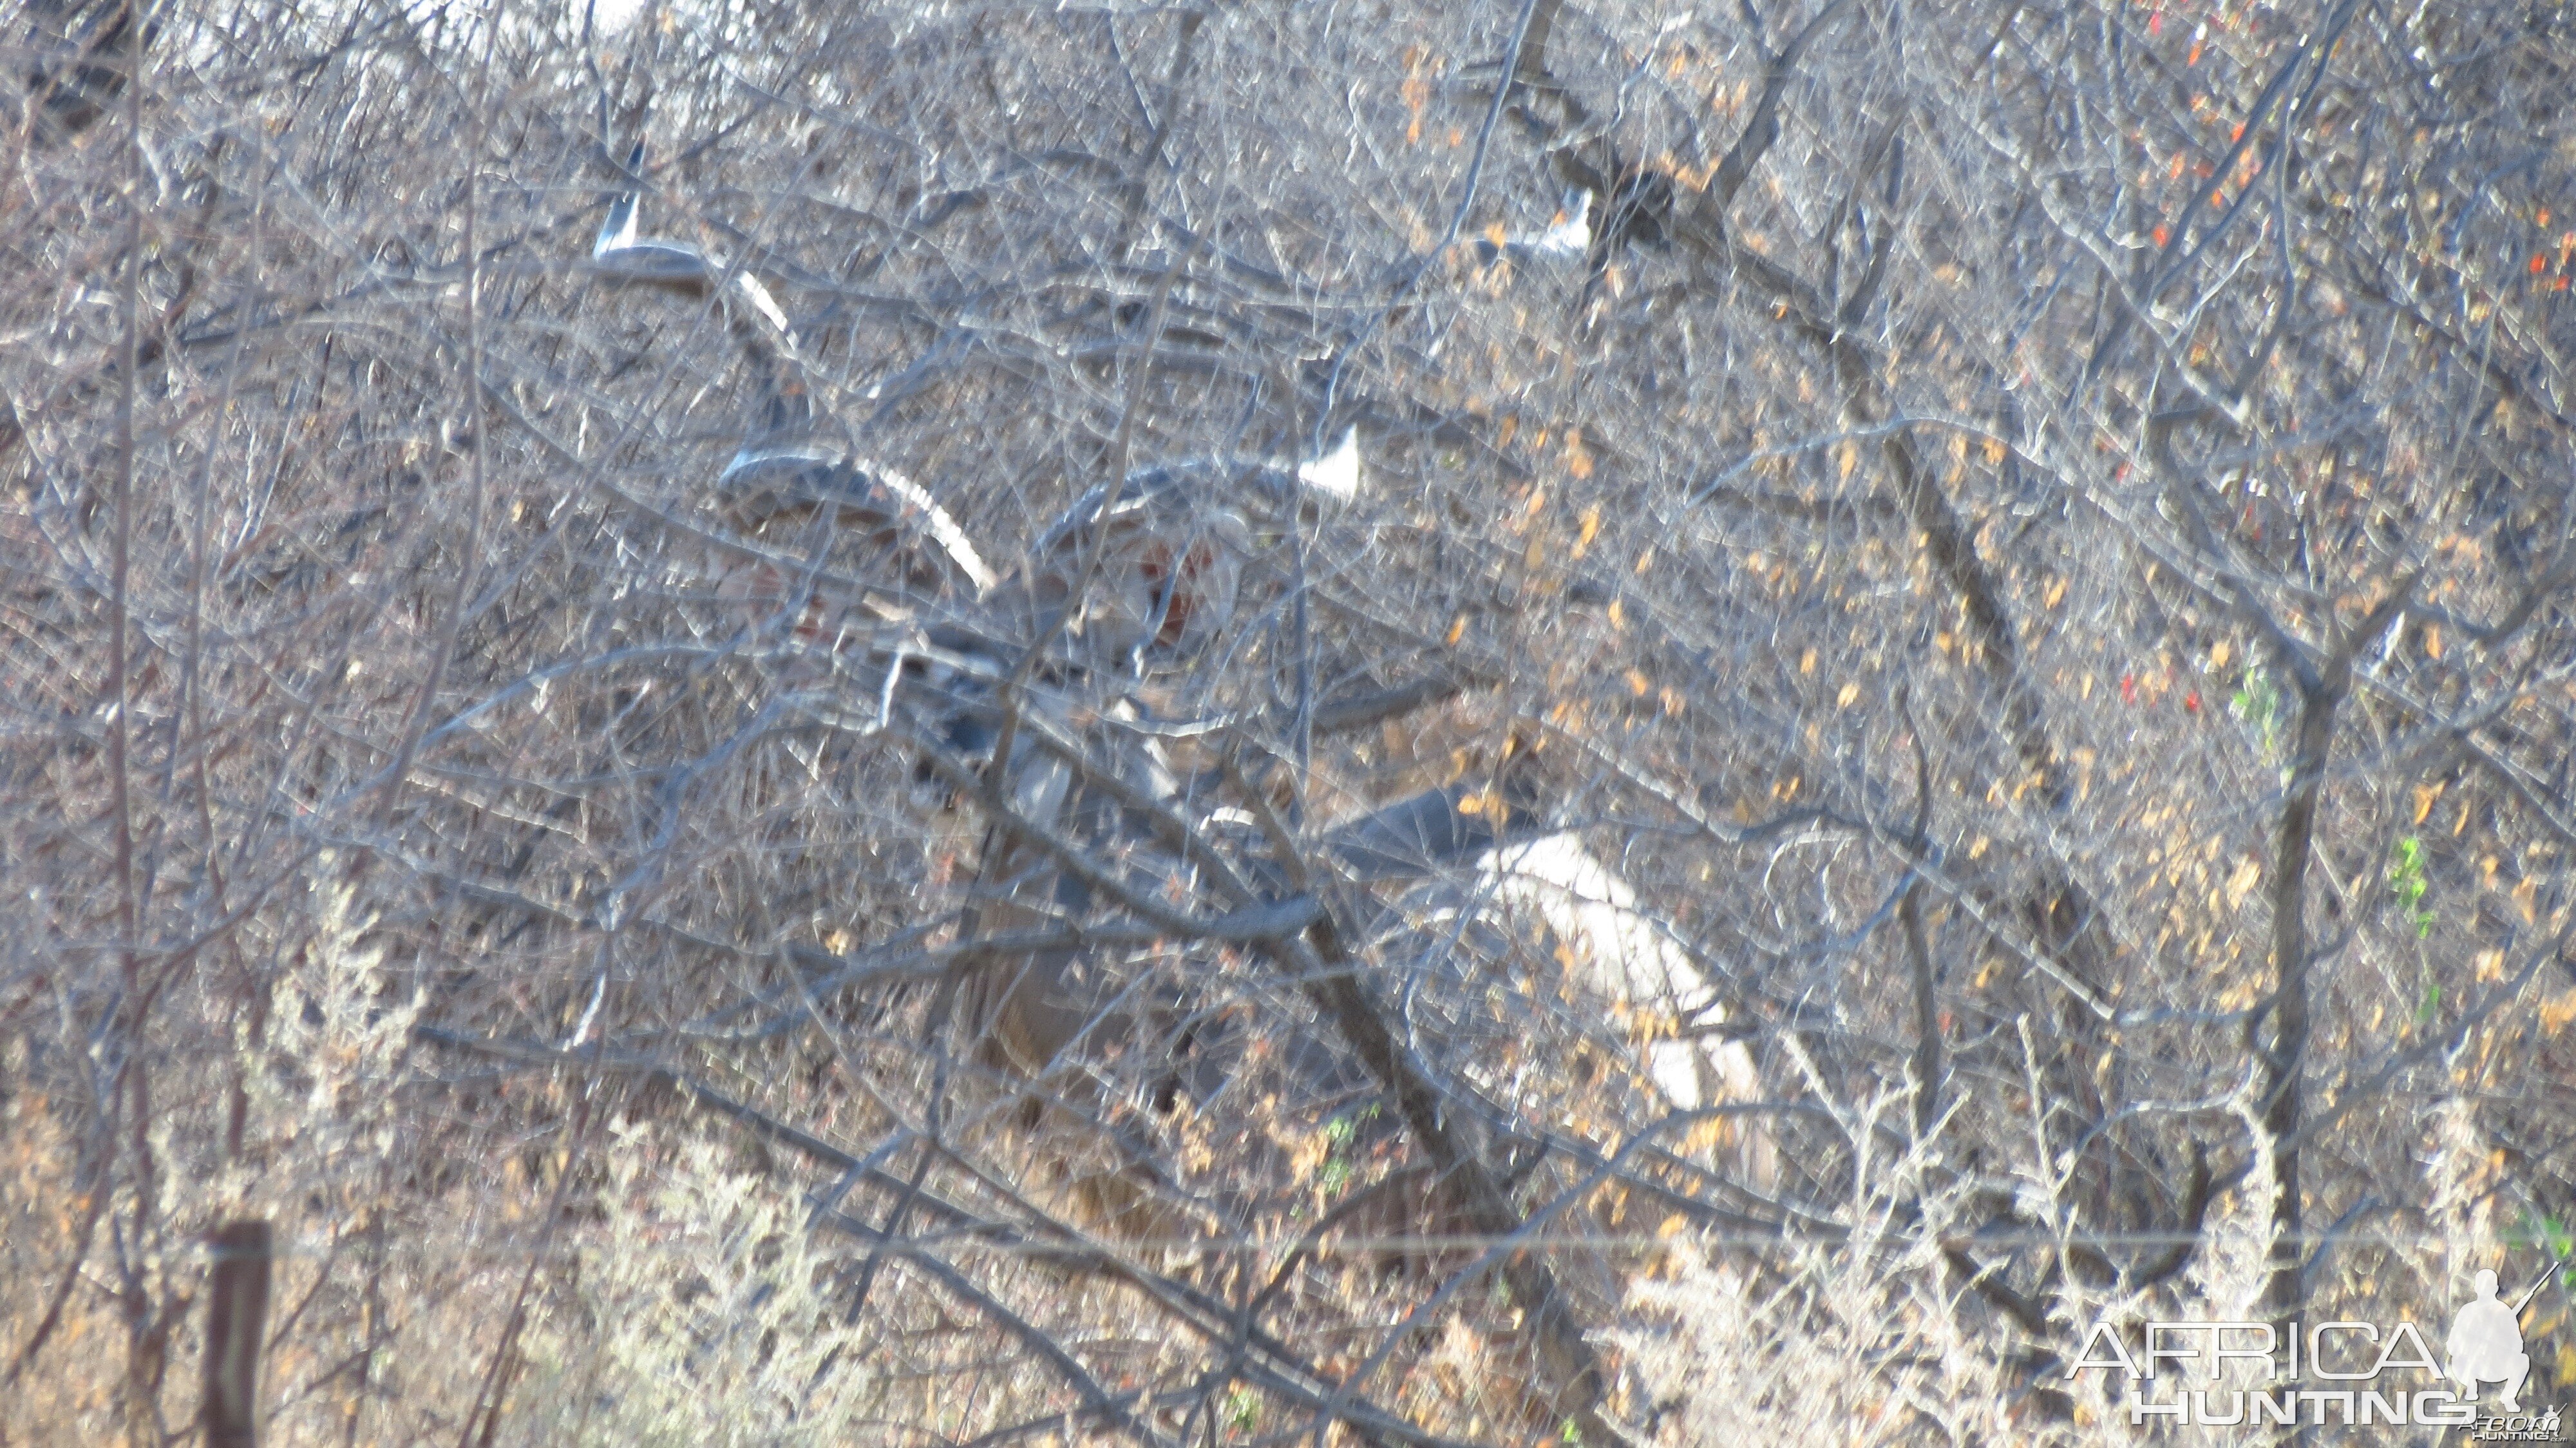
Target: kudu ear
{"points": [[1432, 831]]}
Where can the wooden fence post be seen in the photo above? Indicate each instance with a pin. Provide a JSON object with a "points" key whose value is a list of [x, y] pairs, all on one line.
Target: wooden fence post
{"points": [[236, 1326]]}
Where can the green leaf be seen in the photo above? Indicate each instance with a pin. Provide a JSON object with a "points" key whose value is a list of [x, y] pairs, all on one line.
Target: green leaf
{"points": [[1242, 1409]]}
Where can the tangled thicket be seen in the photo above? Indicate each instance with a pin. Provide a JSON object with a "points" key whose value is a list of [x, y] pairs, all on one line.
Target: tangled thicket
{"points": [[2036, 541]]}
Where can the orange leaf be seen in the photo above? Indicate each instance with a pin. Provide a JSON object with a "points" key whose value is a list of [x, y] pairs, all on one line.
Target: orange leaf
{"points": [[2556, 1012]]}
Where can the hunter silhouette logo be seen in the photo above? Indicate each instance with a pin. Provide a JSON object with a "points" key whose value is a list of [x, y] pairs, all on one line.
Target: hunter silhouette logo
{"points": [[2486, 1344]]}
